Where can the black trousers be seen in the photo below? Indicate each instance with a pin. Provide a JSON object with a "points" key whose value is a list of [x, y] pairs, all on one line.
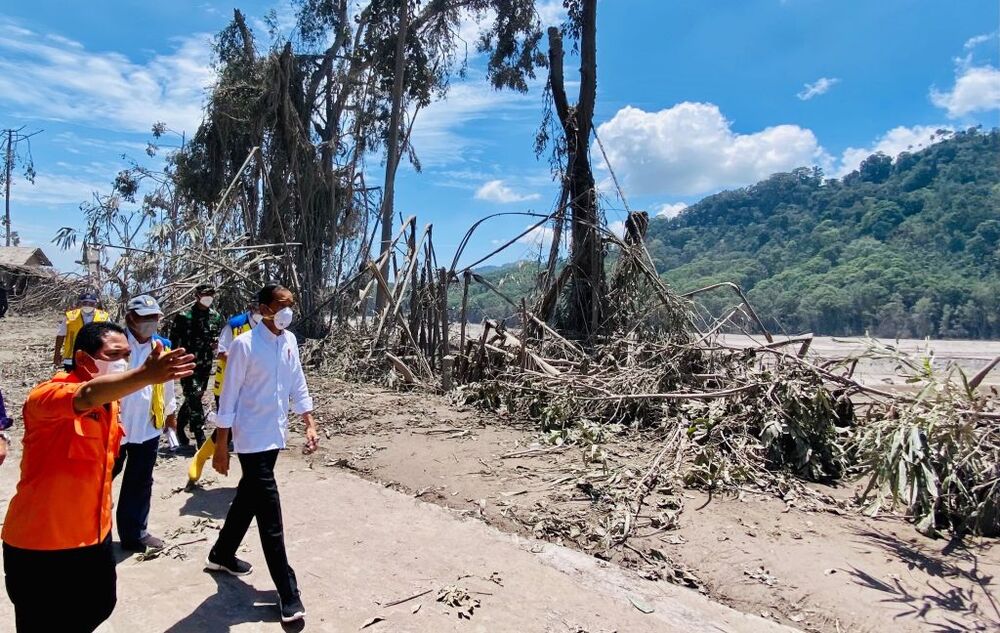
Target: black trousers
{"points": [[257, 497], [132, 513], [70, 590]]}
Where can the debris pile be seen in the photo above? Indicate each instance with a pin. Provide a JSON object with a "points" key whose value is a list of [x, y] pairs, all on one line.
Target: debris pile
{"points": [[768, 416]]}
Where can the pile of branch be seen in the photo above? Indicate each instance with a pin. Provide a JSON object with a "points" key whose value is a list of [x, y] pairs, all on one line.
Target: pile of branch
{"points": [[769, 416], [49, 294], [936, 454]]}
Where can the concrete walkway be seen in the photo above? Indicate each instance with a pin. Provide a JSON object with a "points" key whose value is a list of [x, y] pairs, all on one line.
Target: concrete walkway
{"points": [[357, 546]]}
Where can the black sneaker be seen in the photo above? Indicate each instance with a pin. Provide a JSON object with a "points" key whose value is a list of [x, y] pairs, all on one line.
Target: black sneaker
{"points": [[233, 566], [145, 544], [291, 611]]}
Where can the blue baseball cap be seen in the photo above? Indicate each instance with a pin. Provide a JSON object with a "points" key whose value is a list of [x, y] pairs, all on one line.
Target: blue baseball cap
{"points": [[88, 296]]}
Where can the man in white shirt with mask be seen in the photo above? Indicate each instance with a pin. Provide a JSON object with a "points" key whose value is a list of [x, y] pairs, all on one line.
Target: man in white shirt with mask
{"points": [[144, 414], [263, 379]]}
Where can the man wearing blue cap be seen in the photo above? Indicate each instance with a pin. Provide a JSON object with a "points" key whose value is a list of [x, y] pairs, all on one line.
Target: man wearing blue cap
{"points": [[143, 414], [86, 311]]}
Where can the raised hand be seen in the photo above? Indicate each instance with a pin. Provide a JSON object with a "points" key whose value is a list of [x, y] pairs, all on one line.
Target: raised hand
{"points": [[162, 366]]}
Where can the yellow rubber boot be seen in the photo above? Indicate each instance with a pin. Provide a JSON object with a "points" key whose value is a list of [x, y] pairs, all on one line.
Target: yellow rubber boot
{"points": [[204, 454]]}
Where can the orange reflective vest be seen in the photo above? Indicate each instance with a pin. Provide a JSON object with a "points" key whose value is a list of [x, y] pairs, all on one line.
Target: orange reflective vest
{"points": [[63, 498], [74, 322]]}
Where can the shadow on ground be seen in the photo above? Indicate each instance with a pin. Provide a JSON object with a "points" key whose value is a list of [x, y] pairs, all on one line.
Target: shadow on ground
{"points": [[970, 600], [234, 603], [212, 503]]}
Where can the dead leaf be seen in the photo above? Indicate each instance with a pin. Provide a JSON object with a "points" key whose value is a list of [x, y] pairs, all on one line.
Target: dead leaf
{"points": [[416, 608], [640, 605], [372, 621]]}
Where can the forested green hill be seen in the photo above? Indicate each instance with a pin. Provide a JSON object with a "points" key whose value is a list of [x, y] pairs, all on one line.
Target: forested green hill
{"points": [[907, 247]]}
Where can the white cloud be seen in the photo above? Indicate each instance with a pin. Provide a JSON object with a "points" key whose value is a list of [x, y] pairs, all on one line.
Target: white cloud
{"points": [[438, 136], [497, 191], [977, 89], [538, 237], [818, 87], [551, 13], [77, 144], [892, 143], [973, 42], [692, 149], [55, 189], [52, 77], [670, 209], [618, 228]]}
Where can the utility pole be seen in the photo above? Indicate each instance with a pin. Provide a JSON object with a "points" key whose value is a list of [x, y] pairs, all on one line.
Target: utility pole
{"points": [[8, 164], [10, 157]]}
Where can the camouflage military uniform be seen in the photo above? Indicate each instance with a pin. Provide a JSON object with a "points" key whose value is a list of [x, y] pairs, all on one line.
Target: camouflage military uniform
{"points": [[196, 330]]}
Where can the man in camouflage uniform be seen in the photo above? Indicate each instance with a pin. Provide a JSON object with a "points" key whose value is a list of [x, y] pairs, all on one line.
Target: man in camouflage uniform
{"points": [[196, 330]]}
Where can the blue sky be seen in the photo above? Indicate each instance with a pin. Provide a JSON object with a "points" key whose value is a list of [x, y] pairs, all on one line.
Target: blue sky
{"points": [[694, 97]]}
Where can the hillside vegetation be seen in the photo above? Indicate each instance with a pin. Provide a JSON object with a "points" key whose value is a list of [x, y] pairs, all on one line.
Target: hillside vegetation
{"points": [[907, 247]]}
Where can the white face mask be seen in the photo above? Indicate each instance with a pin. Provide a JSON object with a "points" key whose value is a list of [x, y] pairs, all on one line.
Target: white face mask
{"points": [[146, 329], [106, 367], [206, 301], [87, 309], [254, 319], [283, 318]]}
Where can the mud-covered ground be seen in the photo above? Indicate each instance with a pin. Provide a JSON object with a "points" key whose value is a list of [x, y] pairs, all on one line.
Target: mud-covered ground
{"points": [[808, 561]]}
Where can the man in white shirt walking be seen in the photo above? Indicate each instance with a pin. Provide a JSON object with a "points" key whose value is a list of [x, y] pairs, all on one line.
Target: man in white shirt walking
{"points": [[263, 379], [143, 414]]}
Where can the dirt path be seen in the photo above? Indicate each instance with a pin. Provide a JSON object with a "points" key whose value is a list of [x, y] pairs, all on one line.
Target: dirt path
{"points": [[817, 567], [357, 547]]}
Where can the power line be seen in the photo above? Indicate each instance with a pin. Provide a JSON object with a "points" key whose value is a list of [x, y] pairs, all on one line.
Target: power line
{"points": [[9, 144]]}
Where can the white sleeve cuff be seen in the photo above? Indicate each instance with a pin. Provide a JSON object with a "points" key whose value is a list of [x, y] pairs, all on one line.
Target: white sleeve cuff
{"points": [[225, 420], [303, 406]]}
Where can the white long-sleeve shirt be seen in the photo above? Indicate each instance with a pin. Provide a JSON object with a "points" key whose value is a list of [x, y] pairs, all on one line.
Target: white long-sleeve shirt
{"points": [[136, 416], [263, 378]]}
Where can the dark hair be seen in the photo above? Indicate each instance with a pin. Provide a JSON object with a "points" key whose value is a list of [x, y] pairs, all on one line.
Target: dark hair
{"points": [[266, 294], [91, 337]]}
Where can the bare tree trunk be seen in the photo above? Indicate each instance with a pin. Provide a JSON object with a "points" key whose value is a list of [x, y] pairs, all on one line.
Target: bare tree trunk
{"points": [[585, 309], [392, 152]]}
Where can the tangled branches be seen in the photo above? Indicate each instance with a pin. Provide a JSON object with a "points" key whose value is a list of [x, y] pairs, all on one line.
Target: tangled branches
{"points": [[938, 456], [763, 417], [769, 415]]}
